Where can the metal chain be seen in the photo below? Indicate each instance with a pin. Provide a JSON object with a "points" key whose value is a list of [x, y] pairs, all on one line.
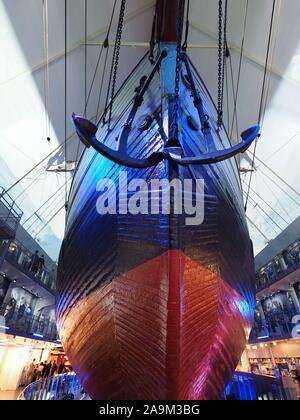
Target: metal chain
{"points": [[220, 65], [115, 61], [180, 17]]}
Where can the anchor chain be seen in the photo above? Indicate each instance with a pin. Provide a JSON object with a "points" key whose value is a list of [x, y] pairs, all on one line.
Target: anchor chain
{"points": [[180, 18]]}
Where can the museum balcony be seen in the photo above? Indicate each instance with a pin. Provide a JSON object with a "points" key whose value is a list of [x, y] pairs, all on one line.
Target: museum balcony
{"points": [[278, 288], [17, 260], [27, 289], [21, 322]]}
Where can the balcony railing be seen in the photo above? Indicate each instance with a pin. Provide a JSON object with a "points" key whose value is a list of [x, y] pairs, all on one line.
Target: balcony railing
{"points": [[273, 329], [20, 257], [250, 387], [244, 386], [287, 262], [10, 216], [60, 387], [29, 325]]}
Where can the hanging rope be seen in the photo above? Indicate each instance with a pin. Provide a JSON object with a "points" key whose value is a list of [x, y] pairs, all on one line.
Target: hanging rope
{"points": [[44, 204], [105, 45], [268, 205], [15, 184], [268, 217], [66, 104], [234, 99], [152, 42], [259, 230], [46, 70], [240, 69], [101, 87], [187, 27], [262, 95], [49, 221], [85, 54]]}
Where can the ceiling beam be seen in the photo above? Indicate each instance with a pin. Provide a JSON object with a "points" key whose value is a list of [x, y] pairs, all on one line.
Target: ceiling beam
{"points": [[102, 31]]}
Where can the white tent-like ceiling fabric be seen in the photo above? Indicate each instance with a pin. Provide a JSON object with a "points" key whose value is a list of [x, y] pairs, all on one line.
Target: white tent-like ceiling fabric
{"points": [[24, 127]]}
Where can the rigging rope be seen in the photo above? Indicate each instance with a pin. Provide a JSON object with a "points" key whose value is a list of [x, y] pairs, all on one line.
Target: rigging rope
{"points": [[277, 176], [187, 27], [240, 69], [57, 201], [44, 204], [283, 146], [66, 103], [152, 42], [46, 69], [258, 229], [268, 205], [283, 208], [233, 96], [85, 53], [262, 95], [101, 88], [255, 204], [105, 45], [48, 222], [280, 188], [9, 189]]}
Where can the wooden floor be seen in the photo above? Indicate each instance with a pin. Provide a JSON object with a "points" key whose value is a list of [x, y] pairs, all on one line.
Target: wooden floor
{"points": [[10, 395]]}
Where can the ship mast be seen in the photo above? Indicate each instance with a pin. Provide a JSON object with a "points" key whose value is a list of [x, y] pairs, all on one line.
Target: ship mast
{"points": [[167, 21], [169, 17]]}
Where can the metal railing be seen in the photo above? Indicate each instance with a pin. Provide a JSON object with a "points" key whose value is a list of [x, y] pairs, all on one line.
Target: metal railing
{"points": [[277, 325], [18, 321], [58, 387], [10, 213], [20, 257], [279, 267], [244, 386], [250, 387]]}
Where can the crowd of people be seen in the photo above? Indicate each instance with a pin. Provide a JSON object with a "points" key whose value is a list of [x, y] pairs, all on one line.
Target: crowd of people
{"points": [[38, 371]]}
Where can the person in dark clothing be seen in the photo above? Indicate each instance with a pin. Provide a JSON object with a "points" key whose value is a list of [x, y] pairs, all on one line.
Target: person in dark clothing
{"points": [[44, 368], [48, 369], [41, 265], [21, 310], [35, 262], [54, 369], [61, 368], [10, 309]]}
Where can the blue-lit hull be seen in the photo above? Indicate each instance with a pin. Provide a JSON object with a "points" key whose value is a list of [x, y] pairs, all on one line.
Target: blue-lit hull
{"points": [[149, 307]]}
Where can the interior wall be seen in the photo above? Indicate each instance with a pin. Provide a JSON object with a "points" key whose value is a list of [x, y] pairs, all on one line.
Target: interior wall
{"points": [[14, 361], [11, 368]]}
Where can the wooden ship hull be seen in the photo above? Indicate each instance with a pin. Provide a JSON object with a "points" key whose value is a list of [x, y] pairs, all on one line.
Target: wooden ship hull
{"points": [[150, 307]]}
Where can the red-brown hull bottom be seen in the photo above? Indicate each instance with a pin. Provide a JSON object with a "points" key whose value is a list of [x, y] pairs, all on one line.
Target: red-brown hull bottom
{"points": [[169, 329]]}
